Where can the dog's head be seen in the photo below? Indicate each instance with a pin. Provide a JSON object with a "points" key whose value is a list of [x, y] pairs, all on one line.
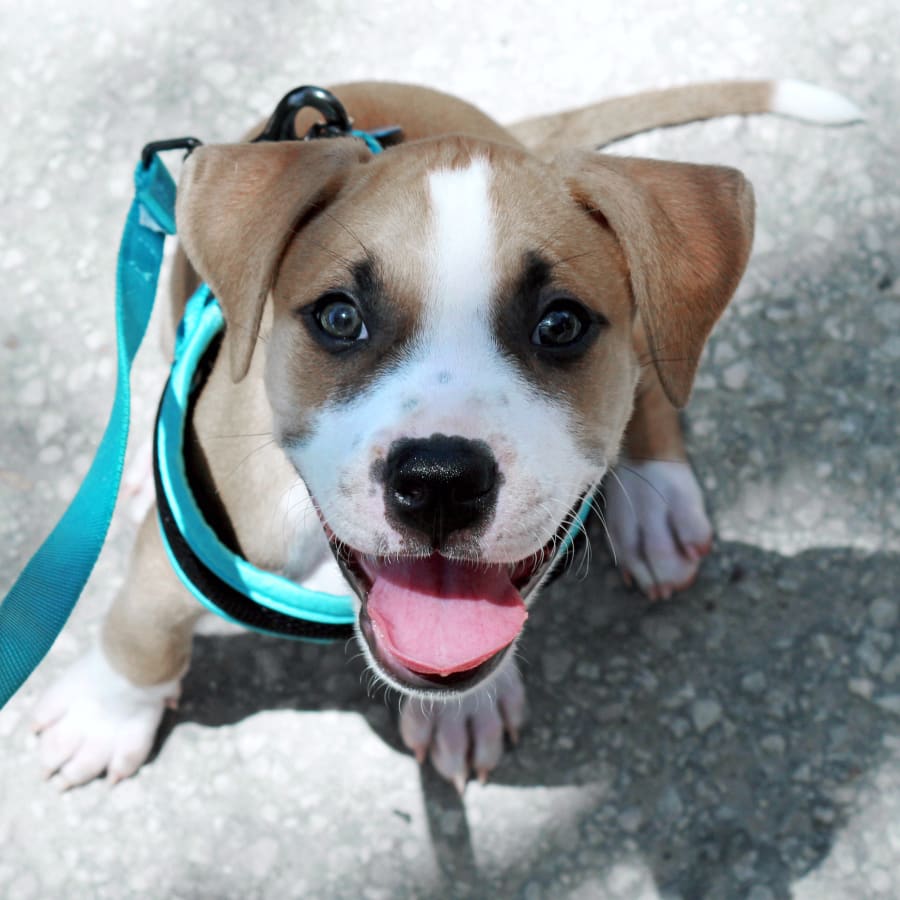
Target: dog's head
{"points": [[450, 364]]}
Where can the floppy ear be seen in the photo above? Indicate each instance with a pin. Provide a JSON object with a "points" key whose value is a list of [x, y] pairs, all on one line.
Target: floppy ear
{"points": [[686, 233], [239, 205]]}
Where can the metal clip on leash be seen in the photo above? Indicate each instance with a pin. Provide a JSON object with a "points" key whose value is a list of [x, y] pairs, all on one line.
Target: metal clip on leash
{"points": [[282, 123]]}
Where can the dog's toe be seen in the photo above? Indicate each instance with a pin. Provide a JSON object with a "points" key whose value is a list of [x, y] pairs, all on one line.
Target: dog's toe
{"points": [[487, 742], [450, 747], [465, 734], [57, 746], [131, 750], [416, 727], [657, 525], [510, 694], [86, 763], [93, 720]]}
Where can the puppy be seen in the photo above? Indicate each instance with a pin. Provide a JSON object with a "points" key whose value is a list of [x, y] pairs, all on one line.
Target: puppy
{"points": [[452, 343]]}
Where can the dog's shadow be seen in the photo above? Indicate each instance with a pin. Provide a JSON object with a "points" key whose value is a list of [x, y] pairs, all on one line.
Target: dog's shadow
{"points": [[707, 738]]}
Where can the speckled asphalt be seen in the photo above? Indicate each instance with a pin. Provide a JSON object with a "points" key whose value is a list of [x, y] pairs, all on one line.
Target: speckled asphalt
{"points": [[740, 742]]}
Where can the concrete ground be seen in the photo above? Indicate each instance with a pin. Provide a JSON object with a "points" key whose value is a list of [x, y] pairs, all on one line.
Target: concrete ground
{"points": [[740, 742]]}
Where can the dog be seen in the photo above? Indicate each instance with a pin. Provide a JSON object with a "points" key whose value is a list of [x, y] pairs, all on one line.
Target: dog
{"points": [[453, 343]]}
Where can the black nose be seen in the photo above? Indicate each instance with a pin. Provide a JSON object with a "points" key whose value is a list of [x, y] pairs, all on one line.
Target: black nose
{"points": [[440, 484]]}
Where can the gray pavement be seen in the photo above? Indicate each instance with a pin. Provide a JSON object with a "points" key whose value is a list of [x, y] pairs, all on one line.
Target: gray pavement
{"points": [[742, 741]]}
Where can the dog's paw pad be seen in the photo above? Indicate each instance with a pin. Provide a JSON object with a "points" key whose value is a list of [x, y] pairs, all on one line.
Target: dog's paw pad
{"points": [[657, 525], [462, 735], [93, 720]]}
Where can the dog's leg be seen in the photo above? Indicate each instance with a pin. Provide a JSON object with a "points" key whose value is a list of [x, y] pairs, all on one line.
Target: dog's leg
{"points": [[466, 733], [103, 713], [654, 506]]}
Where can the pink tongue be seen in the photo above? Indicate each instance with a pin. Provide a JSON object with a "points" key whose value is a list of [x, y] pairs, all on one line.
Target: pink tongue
{"points": [[437, 616]]}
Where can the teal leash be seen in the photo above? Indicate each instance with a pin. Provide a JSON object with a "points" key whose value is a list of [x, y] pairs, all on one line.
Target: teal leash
{"points": [[42, 598], [39, 603]]}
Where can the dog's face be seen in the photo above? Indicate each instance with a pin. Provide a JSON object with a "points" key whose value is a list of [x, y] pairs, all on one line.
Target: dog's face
{"points": [[450, 369], [450, 377]]}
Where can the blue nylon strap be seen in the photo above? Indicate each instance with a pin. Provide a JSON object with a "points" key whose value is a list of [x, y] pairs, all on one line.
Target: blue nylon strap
{"points": [[579, 523], [370, 141], [37, 606], [202, 322]]}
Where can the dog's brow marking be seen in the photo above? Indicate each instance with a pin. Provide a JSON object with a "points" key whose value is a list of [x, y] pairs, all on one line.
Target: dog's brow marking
{"points": [[462, 265]]}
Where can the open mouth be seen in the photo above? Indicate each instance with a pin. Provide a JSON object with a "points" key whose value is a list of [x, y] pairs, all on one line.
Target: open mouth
{"points": [[433, 623]]}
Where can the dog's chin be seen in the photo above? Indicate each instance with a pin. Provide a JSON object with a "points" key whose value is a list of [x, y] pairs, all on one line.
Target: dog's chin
{"points": [[511, 583]]}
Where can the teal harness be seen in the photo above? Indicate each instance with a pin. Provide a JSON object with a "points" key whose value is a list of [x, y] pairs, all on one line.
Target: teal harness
{"points": [[39, 603], [219, 578]]}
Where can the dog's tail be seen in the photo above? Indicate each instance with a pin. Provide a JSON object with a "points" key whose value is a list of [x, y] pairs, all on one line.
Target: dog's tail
{"points": [[611, 120]]}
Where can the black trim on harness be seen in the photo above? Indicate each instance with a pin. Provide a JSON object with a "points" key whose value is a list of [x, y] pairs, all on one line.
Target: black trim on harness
{"points": [[232, 603]]}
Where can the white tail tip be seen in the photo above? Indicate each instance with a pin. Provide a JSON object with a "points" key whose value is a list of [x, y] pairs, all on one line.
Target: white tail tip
{"points": [[812, 103]]}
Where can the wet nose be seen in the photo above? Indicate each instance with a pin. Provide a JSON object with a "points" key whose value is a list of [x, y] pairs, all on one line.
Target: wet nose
{"points": [[439, 485]]}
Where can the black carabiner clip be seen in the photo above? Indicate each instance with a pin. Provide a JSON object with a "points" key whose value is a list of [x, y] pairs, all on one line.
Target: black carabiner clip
{"points": [[280, 126], [186, 143]]}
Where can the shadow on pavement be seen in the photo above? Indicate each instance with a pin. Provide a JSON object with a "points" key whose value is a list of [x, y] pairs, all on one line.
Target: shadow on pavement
{"points": [[712, 735]]}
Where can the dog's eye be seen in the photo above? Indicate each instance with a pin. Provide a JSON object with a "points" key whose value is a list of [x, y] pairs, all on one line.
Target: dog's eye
{"points": [[562, 324], [339, 317]]}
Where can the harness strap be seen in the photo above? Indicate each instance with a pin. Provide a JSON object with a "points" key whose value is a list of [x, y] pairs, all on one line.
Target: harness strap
{"points": [[37, 606], [218, 576]]}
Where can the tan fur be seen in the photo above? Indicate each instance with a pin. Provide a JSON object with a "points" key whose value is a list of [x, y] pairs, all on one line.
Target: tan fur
{"points": [[421, 112], [287, 219], [147, 633], [381, 216], [237, 208], [611, 120], [686, 232], [587, 262], [654, 431]]}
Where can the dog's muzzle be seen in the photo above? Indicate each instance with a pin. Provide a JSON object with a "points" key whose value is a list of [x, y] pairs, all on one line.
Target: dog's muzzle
{"points": [[443, 621]]}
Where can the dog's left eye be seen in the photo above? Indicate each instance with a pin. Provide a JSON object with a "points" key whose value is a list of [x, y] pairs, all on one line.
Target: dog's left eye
{"points": [[339, 317], [563, 324]]}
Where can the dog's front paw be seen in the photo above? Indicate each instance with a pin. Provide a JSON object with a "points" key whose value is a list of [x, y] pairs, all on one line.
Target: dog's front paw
{"points": [[93, 720], [657, 525], [462, 734]]}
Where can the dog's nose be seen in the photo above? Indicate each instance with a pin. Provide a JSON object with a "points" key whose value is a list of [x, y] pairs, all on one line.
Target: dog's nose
{"points": [[440, 484]]}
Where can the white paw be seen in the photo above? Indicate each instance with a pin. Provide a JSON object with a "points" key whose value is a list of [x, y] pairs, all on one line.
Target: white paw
{"points": [[93, 720], [657, 525], [466, 733]]}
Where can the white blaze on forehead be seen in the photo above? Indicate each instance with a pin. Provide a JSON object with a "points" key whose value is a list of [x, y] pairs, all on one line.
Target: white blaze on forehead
{"points": [[462, 247]]}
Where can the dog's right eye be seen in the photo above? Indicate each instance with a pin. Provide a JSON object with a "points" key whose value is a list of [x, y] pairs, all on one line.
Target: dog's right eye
{"points": [[338, 316]]}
